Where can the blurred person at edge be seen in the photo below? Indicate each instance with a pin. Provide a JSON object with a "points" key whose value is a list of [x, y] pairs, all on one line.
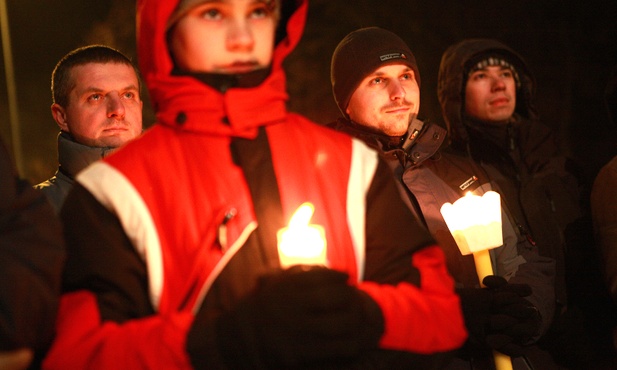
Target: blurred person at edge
{"points": [[603, 206], [376, 84], [31, 259], [97, 105], [172, 247]]}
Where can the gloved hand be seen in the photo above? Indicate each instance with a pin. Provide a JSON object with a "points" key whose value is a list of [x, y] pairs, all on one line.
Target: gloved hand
{"points": [[514, 320], [301, 317], [498, 316]]}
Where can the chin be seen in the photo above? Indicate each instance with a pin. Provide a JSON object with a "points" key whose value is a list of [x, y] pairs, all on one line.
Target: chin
{"points": [[499, 119], [400, 131], [395, 133], [113, 142]]}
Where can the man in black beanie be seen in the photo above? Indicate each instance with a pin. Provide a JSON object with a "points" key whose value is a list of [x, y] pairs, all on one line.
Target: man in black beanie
{"points": [[376, 85]]}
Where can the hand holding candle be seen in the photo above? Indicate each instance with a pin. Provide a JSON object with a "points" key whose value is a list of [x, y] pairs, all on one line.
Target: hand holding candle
{"points": [[302, 243], [475, 224]]}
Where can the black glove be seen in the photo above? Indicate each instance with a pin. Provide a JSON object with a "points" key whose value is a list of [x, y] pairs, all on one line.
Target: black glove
{"points": [[300, 317], [514, 320], [498, 316]]}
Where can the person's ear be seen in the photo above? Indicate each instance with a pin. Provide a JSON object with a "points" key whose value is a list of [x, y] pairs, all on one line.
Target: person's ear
{"points": [[59, 114]]}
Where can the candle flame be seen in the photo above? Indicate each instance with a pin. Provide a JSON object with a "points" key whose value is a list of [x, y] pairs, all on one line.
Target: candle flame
{"points": [[302, 243], [302, 216]]}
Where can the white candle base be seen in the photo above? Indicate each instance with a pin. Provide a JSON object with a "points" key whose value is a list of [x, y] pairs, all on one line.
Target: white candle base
{"points": [[483, 264]]}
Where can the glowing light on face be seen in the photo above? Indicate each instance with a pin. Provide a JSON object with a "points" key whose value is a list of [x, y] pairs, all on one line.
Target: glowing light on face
{"points": [[386, 100], [104, 107], [225, 36], [490, 94]]}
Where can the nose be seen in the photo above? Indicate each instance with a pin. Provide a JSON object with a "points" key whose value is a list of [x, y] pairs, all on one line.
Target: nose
{"points": [[397, 91], [240, 36], [498, 83], [115, 106]]}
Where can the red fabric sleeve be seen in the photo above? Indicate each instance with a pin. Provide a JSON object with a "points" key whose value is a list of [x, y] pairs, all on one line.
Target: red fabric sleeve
{"points": [[84, 342], [422, 319]]}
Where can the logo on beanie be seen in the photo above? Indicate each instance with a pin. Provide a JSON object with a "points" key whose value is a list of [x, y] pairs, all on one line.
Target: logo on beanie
{"points": [[385, 57]]}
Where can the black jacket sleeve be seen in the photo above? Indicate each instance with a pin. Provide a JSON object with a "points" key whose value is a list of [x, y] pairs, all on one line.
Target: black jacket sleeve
{"points": [[31, 258], [101, 258], [393, 233]]}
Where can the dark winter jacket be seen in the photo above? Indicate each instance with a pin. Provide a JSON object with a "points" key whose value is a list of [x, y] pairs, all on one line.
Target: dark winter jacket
{"points": [[430, 176], [72, 158], [604, 211], [31, 259], [421, 142], [522, 156]]}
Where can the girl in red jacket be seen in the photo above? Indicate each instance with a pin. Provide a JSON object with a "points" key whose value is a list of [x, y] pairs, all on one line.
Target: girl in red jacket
{"points": [[173, 258]]}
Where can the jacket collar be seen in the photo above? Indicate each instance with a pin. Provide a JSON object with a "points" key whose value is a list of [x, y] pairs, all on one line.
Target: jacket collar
{"points": [[74, 157], [422, 140]]}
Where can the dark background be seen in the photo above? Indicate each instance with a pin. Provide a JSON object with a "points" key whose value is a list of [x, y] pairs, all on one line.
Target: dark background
{"points": [[570, 46]]}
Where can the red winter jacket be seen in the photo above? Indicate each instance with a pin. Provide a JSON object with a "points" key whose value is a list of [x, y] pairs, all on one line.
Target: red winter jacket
{"points": [[151, 228]]}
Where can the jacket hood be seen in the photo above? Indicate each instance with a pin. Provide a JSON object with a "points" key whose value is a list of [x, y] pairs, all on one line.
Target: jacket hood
{"points": [[453, 76], [188, 104]]}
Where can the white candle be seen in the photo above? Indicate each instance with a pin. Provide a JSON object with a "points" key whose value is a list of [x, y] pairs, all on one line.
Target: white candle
{"points": [[475, 222], [302, 243]]}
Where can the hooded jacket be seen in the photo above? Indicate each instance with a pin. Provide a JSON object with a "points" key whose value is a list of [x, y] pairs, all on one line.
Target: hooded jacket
{"points": [[175, 219], [522, 156], [72, 158]]}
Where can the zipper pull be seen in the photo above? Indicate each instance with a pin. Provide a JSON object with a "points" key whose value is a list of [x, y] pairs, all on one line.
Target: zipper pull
{"points": [[527, 235], [530, 239], [222, 229]]}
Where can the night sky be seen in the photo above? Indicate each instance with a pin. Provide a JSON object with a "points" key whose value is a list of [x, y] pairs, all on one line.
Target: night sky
{"points": [[570, 46]]}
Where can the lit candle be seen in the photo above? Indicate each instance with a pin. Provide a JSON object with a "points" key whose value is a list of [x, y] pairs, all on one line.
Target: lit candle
{"points": [[302, 243], [475, 224]]}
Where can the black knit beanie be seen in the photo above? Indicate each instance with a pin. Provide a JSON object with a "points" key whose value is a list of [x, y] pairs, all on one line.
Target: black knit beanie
{"points": [[492, 58], [359, 54]]}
